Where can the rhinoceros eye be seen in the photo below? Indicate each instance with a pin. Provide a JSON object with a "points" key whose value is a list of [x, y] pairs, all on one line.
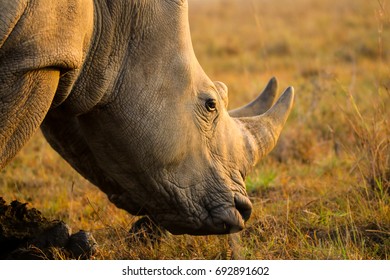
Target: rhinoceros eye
{"points": [[211, 105]]}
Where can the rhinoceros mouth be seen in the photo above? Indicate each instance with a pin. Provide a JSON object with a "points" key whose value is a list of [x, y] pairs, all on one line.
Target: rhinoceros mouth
{"points": [[223, 219], [231, 219], [225, 222]]}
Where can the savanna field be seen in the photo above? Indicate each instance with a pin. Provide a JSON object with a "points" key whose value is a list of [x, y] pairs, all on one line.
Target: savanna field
{"points": [[323, 193]]}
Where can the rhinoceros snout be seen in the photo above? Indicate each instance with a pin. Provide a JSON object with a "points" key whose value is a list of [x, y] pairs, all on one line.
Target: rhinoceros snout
{"points": [[223, 219], [231, 219], [235, 217]]}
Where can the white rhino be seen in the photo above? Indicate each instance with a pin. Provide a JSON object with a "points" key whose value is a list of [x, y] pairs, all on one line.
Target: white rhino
{"points": [[119, 94]]}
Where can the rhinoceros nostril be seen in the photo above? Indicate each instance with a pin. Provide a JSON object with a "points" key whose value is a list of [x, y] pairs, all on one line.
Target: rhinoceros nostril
{"points": [[232, 228], [243, 205], [232, 221]]}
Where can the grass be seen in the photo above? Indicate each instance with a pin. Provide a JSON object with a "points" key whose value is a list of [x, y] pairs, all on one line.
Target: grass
{"points": [[323, 193]]}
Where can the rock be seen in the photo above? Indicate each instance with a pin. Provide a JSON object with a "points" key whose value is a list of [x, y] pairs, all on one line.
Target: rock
{"points": [[55, 236], [19, 225], [81, 245], [27, 234]]}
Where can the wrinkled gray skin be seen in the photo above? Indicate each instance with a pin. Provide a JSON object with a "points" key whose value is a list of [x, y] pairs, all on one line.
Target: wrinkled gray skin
{"points": [[120, 95]]}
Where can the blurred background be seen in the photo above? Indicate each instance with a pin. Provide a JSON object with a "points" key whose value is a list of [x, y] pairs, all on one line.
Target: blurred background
{"points": [[323, 193]]}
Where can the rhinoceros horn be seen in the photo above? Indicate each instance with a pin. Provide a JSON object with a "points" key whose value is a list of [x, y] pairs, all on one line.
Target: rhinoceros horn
{"points": [[261, 104], [263, 130]]}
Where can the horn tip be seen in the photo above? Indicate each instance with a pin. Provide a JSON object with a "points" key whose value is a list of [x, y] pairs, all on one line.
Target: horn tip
{"points": [[273, 84], [284, 105], [288, 95]]}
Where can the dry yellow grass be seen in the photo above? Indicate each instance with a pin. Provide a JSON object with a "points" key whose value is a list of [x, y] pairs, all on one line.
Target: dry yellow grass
{"points": [[323, 193]]}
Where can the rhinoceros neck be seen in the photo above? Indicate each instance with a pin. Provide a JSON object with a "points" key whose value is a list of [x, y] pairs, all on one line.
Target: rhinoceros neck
{"points": [[119, 26]]}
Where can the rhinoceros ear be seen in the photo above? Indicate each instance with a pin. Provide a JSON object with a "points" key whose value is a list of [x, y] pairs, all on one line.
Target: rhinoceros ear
{"points": [[263, 131], [261, 104]]}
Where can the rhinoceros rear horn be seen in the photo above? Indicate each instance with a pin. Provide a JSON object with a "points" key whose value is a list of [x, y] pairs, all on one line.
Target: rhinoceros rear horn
{"points": [[261, 104], [263, 131]]}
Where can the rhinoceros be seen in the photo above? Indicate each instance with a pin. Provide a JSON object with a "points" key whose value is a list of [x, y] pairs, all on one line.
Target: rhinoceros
{"points": [[118, 92]]}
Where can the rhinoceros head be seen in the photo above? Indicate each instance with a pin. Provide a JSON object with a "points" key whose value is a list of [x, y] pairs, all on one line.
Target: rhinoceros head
{"points": [[137, 116], [165, 137]]}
